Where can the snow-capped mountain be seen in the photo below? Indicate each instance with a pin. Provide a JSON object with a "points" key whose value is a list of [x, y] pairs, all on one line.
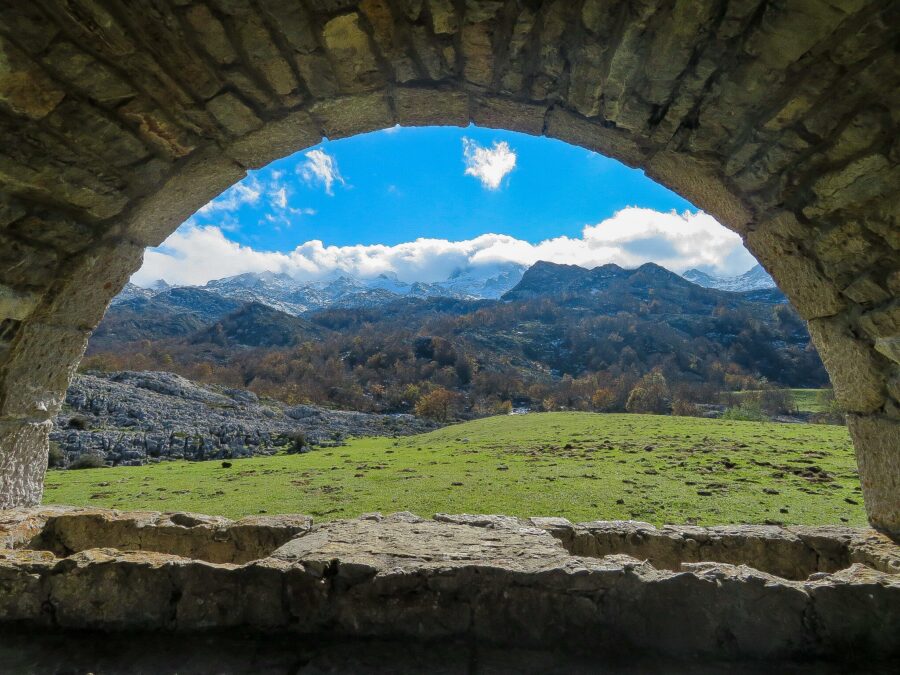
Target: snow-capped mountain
{"points": [[753, 279], [284, 293]]}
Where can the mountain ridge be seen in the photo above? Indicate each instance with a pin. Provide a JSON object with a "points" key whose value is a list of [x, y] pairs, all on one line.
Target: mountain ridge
{"points": [[754, 279], [284, 293]]}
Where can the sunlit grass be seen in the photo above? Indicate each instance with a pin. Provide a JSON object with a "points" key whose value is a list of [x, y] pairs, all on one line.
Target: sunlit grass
{"points": [[582, 466]]}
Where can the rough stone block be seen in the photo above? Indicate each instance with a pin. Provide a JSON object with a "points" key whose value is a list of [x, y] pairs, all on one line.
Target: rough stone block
{"points": [[354, 62], [857, 375], [423, 107], [87, 129], [428, 53], [478, 53], [702, 186], [883, 322], [275, 140], [54, 231], [865, 291], [211, 34], [80, 296], [776, 243], [592, 135], [586, 85], [444, 20], [38, 270], [204, 175], [23, 462], [17, 303], [97, 80], [24, 87], [845, 251], [293, 22], [495, 112], [889, 347], [855, 183], [264, 54], [157, 128], [317, 74], [233, 114], [38, 369], [877, 442], [351, 115], [389, 40]]}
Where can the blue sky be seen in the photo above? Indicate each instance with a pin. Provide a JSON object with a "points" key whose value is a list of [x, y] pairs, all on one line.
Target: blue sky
{"points": [[364, 204]]}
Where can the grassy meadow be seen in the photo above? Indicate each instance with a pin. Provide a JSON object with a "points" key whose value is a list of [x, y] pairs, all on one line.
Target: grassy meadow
{"points": [[583, 466], [806, 400]]}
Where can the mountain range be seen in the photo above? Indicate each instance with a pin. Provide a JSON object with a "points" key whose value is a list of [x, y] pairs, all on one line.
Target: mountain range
{"points": [[560, 333], [754, 279], [284, 293]]}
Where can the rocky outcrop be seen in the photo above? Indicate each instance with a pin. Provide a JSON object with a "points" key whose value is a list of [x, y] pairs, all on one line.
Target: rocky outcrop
{"points": [[496, 581], [130, 418]]}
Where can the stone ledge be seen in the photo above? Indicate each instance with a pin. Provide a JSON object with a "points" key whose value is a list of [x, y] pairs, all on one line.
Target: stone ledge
{"points": [[492, 580]]}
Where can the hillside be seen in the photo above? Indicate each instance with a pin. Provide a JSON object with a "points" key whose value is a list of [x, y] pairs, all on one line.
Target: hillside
{"points": [[563, 336], [258, 325]]}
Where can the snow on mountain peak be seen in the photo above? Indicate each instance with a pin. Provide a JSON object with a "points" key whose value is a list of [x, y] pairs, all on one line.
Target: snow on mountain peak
{"points": [[754, 279]]}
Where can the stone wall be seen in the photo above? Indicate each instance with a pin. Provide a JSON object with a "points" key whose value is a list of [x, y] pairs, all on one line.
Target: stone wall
{"points": [[119, 120], [601, 588]]}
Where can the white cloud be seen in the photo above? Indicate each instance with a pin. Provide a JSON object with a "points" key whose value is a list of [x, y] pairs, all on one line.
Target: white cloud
{"points": [[320, 168], [279, 197], [246, 192], [489, 165], [631, 237]]}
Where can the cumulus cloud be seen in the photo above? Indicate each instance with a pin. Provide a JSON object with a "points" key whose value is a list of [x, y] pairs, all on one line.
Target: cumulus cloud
{"points": [[489, 165], [631, 237], [320, 168]]}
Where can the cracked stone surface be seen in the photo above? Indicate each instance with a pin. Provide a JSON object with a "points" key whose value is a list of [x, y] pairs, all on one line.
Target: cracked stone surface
{"points": [[497, 581]]}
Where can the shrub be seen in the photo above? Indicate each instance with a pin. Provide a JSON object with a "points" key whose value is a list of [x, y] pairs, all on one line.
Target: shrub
{"points": [[439, 405], [777, 401], [297, 443], [830, 411], [650, 395], [88, 461], [79, 422], [503, 408], [603, 399], [56, 458], [685, 408]]}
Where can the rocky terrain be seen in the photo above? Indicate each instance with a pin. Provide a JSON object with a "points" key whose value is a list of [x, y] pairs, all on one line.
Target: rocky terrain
{"points": [[131, 418]]}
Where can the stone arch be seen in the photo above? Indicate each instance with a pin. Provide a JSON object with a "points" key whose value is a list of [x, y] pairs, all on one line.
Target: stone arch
{"points": [[120, 119]]}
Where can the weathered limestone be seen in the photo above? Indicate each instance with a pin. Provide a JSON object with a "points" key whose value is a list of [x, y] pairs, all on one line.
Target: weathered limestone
{"points": [[118, 122], [877, 441], [488, 580], [23, 461]]}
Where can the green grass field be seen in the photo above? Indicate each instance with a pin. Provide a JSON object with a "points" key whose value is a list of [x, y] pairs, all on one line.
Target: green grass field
{"points": [[582, 466], [806, 400]]}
